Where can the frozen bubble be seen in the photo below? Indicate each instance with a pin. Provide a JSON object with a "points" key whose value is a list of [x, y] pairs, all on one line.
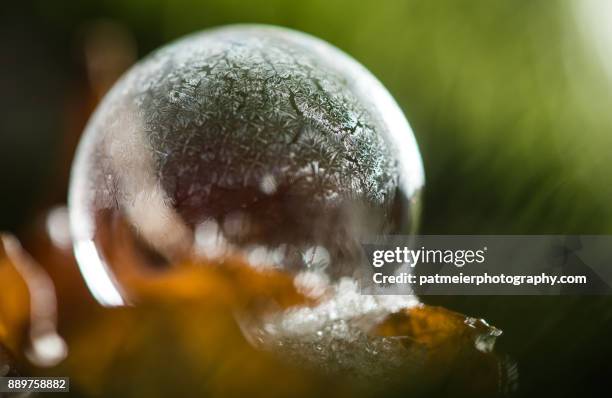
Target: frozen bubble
{"points": [[281, 140]]}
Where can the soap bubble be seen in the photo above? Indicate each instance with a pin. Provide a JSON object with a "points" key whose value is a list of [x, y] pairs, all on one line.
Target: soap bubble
{"points": [[254, 140]]}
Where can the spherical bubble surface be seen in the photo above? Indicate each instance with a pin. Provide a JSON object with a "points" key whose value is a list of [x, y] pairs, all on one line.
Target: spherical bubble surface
{"points": [[245, 139]]}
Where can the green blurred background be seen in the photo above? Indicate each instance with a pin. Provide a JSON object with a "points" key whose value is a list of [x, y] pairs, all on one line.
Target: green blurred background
{"points": [[509, 100]]}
